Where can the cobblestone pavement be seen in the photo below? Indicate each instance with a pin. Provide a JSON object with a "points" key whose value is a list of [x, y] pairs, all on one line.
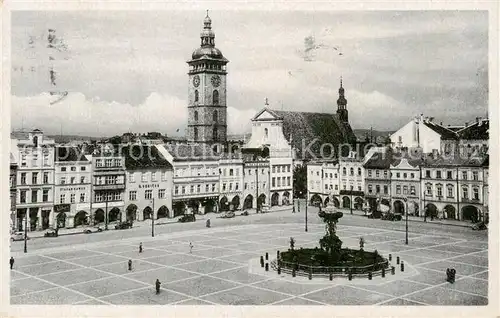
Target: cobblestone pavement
{"points": [[219, 270]]}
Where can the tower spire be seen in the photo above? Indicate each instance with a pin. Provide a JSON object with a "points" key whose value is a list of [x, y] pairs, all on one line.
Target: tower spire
{"points": [[342, 104]]}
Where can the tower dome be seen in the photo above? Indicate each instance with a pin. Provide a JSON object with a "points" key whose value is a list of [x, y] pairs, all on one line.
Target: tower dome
{"points": [[207, 47]]}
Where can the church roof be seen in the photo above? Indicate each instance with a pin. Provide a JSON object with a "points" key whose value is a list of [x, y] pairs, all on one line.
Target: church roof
{"points": [[446, 134], [69, 154], [315, 129]]}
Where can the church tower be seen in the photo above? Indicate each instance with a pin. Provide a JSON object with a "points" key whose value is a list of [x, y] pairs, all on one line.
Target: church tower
{"points": [[207, 108], [342, 105]]}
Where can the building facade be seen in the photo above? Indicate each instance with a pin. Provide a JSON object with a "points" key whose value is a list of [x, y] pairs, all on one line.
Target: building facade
{"points": [[72, 187], [231, 185], [351, 182], [378, 179], [323, 182], [256, 179], [405, 186], [149, 183], [207, 107], [13, 191], [34, 153], [108, 186]]}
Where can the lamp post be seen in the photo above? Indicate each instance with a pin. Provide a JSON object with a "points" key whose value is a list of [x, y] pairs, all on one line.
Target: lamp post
{"points": [[298, 201], [26, 231], [106, 215], [307, 199], [406, 220], [153, 219]]}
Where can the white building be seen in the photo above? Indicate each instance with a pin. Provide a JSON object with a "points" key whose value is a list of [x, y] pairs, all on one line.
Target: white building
{"points": [[423, 133], [34, 153], [72, 188], [231, 185], [323, 182], [149, 183], [405, 186]]}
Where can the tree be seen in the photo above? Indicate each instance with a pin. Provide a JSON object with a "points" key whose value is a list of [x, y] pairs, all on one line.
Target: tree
{"points": [[300, 181]]}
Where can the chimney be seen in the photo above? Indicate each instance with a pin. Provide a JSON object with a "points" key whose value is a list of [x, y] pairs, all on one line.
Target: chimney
{"points": [[435, 153], [466, 124], [478, 119], [441, 123]]}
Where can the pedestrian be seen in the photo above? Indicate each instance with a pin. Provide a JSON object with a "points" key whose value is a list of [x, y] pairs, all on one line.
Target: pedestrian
{"points": [[11, 261], [425, 215], [157, 285], [190, 247], [129, 264], [140, 247]]}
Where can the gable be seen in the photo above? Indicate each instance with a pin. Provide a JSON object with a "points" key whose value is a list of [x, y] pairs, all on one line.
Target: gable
{"points": [[266, 114], [403, 165]]}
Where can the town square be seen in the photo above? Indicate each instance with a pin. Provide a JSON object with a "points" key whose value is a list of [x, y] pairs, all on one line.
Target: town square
{"points": [[259, 167]]}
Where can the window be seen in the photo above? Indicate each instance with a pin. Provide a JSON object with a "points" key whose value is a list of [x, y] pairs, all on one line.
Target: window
{"points": [[398, 189], [22, 196], [72, 198], [82, 197], [377, 188], [377, 173], [82, 179], [195, 132], [352, 171], [278, 168], [213, 187], [439, 190], [427, 173], [231, 172], [279, 182], [164, 176], [215, 97], [109, 196], [385, 174], [34, 178], [475, 175], [274, 169], [331, 176], [246, 185], [386, 189], [214, 116], [196, 97], [449, 174], [161, 194], [344, 171], [412, 175], [412, 190], [230, 186], [45, 195], [336, 187], [405, 175], [288, 180], [83, 168], [465, 193], [45, 177], [153, 176], [98, 197], [438, 174], [118, 196], [63, 180], [63, 169], [108, 162], [62, 198], [118, 162], [198, 188], [264, 184], [176, 190], [46, 159], [72, 180], [148, 194], [236, 186], [288, 170], [370, 188], [464, 175], [196, 115], [98, 163], [397, 175], [475, 193], [131, 177], [273, 182], [191, 189], [143, 177], [369, 173], [73, 168], [450, 192], [207, 188], [266, 132], [132, 195], [223, 187], [326, 186], [359, 171], [344, 186]]}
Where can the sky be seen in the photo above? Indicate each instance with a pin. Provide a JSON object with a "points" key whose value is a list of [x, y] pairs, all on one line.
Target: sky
{"points": [[126, 70]]}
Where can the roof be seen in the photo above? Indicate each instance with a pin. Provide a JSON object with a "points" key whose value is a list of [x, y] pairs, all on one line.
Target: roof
{"points": [[444, 132], [183, 151], [430, 160], [143, 157], [304, 127], [477, 131], [379, 160], [69, 154]]}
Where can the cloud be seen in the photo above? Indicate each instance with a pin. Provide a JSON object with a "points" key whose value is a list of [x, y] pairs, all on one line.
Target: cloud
{"points": [[78, 115]]}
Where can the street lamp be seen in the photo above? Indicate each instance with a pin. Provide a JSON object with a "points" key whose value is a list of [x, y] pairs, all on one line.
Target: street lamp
{"points": [[153, 220], [406, 216], [26, 231]]}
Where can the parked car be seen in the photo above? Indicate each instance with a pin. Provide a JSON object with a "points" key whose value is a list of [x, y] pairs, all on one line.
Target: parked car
{"points": [[52, 233], [479, 226], [89, 230], [244, 213], [123, 225], [18, 236], [392, 217], [228, 215], [187, 218]]}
